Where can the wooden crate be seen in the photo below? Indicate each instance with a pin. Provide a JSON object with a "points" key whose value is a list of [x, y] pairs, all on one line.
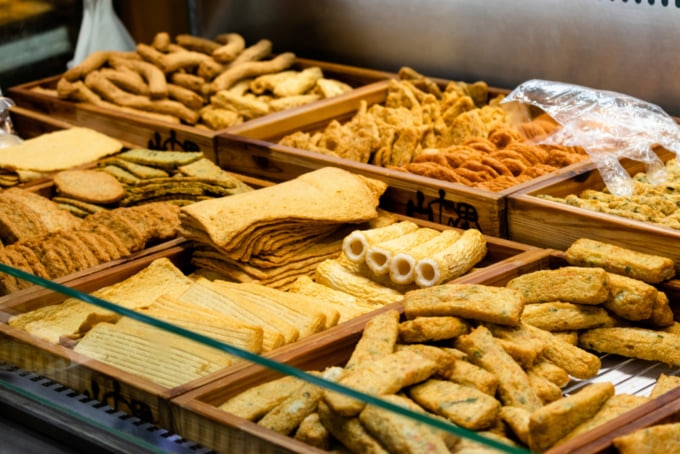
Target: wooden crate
{"points": [[556, 225], [140, 131], [252, 149], [100, 380], [196, 414]]}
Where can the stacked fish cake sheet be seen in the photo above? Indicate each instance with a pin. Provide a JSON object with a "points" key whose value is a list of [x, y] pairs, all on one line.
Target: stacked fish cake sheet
{"points": [[278, 233]]}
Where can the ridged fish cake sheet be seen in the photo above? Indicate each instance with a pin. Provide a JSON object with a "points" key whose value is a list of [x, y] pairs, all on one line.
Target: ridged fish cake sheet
{"points": [[161, 357]]}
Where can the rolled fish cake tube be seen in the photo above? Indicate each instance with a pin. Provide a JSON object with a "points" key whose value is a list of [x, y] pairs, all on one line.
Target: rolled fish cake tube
{"points": [[379, 256], [453, 261], [357, 243], [403, 264]]}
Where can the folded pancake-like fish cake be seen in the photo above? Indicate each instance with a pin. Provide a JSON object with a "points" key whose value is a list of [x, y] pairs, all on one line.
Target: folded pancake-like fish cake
{"points": [[327, 195]]}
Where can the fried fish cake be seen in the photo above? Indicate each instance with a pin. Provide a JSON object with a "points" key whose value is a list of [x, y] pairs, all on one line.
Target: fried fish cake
{"points": [[646, 267], [579, 285]]}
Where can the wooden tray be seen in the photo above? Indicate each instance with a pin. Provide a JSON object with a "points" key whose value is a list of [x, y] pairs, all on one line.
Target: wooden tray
{"points": [[140, 131], [121, 390], [556, 225], [252, 149], [128, 392], [196, 414]]}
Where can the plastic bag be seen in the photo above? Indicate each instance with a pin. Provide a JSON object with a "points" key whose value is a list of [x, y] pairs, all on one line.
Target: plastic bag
{"points": [[100, 29], [608, 125], [8, 137]]}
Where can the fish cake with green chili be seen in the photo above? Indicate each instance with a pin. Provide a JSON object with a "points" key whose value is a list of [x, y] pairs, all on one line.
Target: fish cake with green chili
{"points": [[574, 284]]}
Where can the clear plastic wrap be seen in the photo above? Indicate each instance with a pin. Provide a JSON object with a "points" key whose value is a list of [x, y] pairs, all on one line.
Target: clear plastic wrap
{"points": [[8, 136], [608, 125]]}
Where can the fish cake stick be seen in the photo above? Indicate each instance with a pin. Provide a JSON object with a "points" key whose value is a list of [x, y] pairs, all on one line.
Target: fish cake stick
{"points": [[664, 384], [634, 342], [615, 406], [518, 421], [485, 303], [514, 388], [630, 298], [349, 431], [550, 371], [425, 329], [386, 375], [312, 432], [662, 313], [520, 342], [552, 422], [452, 262], [646, 267], [661, 438], [289, 414], [356, 244], [378, 339], [559, 316], [258, 400], [570, 283], [463, 405], [573, 359], [400, 433]]}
